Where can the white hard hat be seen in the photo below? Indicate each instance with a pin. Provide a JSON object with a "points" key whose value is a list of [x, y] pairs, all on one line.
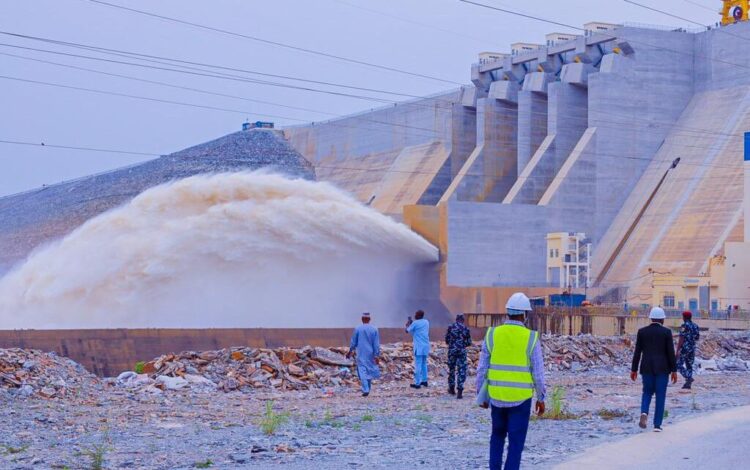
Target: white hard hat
{"points": [[518, 301], [657, 313]]}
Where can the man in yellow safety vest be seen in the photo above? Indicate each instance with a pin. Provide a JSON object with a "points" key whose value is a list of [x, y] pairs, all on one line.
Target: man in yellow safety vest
{"points": [[510, 368]]}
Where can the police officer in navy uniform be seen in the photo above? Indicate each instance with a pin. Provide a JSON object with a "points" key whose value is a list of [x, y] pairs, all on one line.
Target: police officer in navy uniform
{"points": [[689, 336], [458, 338]]}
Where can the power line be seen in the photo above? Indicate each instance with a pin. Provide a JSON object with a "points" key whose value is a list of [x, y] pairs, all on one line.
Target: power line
{"points": [[243, 79], [407, 20], [383, 169], [69, 147], [671, 125], [523, 15], [138, 97], [236, 111], [235, 78], [155, 82], [210, 75], [662, 12], [174, 62], [274, 43], [634, 41], [699, 5], [215, 108], [720, 30]]}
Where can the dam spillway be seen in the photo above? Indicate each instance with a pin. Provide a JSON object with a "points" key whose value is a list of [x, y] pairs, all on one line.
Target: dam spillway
{"points": [[629, 135]]}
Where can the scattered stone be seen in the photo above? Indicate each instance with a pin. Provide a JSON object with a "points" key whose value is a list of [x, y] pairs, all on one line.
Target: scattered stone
{"points": [[47, 392], [330, 357], [239, 458], [708, 364], [732, 363], [171, 383]]}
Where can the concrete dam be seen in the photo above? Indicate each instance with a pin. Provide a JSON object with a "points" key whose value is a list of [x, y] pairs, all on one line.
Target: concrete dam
{"points": [[631, 137]]}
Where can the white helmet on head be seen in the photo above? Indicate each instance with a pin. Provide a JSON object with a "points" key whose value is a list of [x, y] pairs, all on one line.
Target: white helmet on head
{"points": [[657, 313], [518, 302]]}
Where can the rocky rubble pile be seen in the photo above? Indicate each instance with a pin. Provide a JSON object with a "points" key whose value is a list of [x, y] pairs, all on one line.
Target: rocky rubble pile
{"points": [[586, 351], [246, 369], [28, 372], [724, 351]]}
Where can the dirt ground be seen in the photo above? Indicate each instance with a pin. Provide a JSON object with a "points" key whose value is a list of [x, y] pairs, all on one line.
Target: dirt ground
{"points": [[395, 427]]}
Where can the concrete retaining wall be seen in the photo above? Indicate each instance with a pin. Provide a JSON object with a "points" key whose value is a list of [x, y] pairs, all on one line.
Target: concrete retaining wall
{"points": [[109, 352]]}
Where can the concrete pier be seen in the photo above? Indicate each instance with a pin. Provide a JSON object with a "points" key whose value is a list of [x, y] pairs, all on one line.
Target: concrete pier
{"points": [[491, 169], [532, 125]]}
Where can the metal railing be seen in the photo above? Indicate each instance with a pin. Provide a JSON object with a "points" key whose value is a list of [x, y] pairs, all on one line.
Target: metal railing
{"points": [[602, 320], [675, 29]]}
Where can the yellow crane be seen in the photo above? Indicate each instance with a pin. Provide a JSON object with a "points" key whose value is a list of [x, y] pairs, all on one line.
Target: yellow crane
{"points": [[734, 11]]}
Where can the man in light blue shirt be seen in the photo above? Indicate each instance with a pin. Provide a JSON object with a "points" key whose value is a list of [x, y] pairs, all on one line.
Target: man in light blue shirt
{"points": [[420, 332], [366, 341]]}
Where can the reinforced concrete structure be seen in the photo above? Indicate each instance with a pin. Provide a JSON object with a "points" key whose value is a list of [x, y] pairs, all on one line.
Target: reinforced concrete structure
{"points": [[631, 135]]}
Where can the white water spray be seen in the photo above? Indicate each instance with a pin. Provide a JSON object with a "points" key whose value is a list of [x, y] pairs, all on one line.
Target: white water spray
{"points": [[227, 250]]}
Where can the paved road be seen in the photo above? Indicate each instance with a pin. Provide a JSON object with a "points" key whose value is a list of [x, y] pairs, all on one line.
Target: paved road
{"points": [[714, 441]]}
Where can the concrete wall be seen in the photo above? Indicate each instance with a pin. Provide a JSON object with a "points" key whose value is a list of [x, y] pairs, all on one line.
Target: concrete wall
{"points": [[737, 274], [532, 125], [721, 60], [634, 105], [493, 244], [567, 121], [491, 169], [357, 152]]}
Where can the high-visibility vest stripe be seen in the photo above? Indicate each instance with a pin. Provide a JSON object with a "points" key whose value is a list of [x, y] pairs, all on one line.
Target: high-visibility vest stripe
{"points": [[510, 368], [530, 346], [497, 383]]}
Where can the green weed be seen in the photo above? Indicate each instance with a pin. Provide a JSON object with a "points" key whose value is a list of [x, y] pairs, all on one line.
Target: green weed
{"points": [[96, 455], [329, 420], [271, 420], [558, 409], [608, 414], [10, 450], [367, 418], [204, 464], [138, 369]]}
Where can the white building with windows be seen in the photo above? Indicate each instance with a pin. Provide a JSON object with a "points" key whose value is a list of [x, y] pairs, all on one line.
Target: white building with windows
{"points": [[568, 260]]}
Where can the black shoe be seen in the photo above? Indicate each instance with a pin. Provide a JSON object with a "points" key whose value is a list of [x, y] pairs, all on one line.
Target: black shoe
{"points": [[451, 390], [460, 394], [414, 386], [364, 394], [687, 386], [424, 384]]}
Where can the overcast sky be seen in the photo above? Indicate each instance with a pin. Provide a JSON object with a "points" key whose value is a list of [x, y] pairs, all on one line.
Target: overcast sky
{"points": [[438, 38]]}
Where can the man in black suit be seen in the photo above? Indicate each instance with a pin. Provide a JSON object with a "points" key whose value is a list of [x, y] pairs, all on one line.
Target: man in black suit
{"points": [[654, 350]]}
